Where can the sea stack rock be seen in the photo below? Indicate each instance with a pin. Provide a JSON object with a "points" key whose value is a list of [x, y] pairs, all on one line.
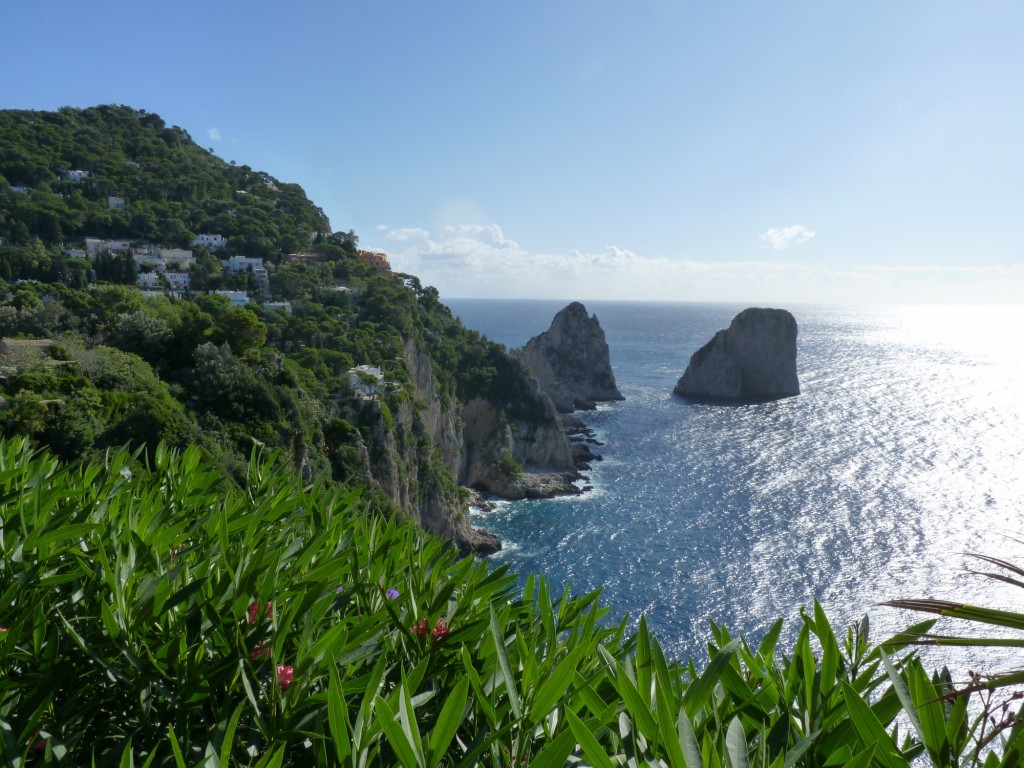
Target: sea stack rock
{"points": [[570, 361], [753, 360]]}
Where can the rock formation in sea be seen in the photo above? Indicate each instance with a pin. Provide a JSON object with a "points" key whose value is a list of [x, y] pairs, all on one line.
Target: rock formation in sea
{"points": [[753, 360], [570, 361]]}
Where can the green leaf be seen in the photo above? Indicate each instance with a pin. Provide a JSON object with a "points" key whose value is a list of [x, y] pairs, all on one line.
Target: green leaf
{"points": [[555, 685], [700, 690], [337, 716], [506, 668], [592, 748], [557, 751], [862, 759], [644, 673], [407, 716], [903, 693], [666, 724], [179, 759], [76, 531], [871, 730], [736, 744], [830, 655], [395, 734], [272, 759], [636, 705], [229, 735], [448, 722], [794, 754], [688, 740], [184, 593]]}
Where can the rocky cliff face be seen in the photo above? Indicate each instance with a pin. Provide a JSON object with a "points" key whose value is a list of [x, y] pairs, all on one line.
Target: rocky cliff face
{"points": [[753, 360], [515, 459], [570, 361], [422, 449], [415, 453]]}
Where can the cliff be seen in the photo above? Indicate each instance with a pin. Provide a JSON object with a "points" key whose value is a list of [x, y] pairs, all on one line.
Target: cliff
{"points": [[423, 451], [570, 361], [753, 360], [446, 406]]}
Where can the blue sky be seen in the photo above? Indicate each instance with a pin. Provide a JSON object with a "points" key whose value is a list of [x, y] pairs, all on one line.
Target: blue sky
{"points": [[838, 152]]}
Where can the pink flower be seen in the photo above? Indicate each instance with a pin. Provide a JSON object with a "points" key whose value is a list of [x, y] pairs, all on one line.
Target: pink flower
{"points": [[285, 675], [440, 629], [254, 611], [261, 651], [420, 629]]}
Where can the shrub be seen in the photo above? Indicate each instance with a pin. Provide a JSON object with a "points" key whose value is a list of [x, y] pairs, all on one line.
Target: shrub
{"points": [[165, 617]]}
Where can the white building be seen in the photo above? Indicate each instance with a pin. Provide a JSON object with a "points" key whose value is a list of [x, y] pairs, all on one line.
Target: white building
{"points": [[238, 265], [154, 261], [75, 175], [115, 203], [211, 242], [358, 379], [22, 190], [148, 280], [94, 246], [179, 281], [177, 256], [235, 298]]}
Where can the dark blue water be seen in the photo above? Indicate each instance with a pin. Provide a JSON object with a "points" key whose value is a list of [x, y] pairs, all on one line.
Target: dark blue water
{"points": [[903, 451]]}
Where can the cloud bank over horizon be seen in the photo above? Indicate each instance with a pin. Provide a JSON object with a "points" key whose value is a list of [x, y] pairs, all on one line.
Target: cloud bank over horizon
{"points": [[481, 261]]}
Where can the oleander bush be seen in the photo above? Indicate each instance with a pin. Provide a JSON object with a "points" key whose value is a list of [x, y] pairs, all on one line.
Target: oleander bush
{"points": [[160, 615]]}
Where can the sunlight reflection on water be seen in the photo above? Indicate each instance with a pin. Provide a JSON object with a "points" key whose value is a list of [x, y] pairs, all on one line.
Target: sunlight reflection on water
{"points": [[902, 453]]}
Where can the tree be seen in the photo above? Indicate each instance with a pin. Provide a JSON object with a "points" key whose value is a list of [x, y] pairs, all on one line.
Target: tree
{"points": [[241, 329]]}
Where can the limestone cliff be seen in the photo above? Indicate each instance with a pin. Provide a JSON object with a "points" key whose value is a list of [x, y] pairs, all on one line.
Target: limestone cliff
{"points": [[515, 459], [570, 361], [419, 447], [753, 360]]}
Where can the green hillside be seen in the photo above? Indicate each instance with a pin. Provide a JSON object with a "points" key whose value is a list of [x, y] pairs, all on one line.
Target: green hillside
{"points": [[173, 189]]}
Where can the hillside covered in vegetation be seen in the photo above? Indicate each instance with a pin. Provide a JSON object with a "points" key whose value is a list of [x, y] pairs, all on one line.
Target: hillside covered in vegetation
{"points": [[357, 374], [172, 188]]}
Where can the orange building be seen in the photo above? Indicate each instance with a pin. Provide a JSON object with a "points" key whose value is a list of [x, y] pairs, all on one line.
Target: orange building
{"points": [[376, 259]]}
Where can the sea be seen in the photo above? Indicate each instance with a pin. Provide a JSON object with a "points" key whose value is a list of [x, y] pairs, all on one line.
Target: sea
{"points": [[902, 456]]}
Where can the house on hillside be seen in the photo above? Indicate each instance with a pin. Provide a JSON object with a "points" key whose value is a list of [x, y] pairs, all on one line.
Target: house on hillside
{"points": [[235, 298], [96, 246], [178, 281], [148, 279], [75, 176], [211, 242], [376, 259], [307, 257], [179, 256], [366, 380], [238, 265], [115, 203]]}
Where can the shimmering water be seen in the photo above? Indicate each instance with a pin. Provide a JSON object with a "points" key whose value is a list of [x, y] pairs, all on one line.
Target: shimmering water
{"points": [[905, 450]]}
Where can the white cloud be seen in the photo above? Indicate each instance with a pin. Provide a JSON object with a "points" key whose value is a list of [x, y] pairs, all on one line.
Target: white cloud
{"points": [[475, 260], [213, 133], [404, 234], [781, 238]]}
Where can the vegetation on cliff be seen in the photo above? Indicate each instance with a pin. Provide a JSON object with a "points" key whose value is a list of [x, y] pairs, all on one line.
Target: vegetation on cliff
{"points": [[172, 188], [191, 369]]}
